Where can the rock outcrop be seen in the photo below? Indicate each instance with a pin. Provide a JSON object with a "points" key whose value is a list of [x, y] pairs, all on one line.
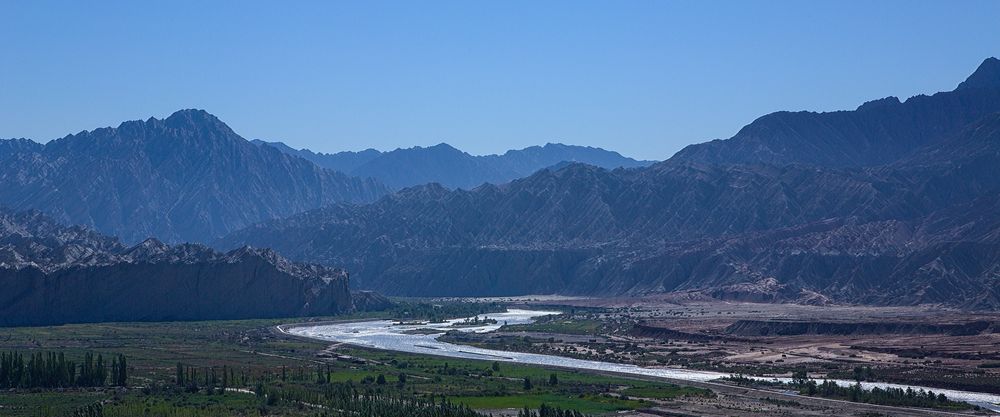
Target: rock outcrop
{"points": [[52, 274]]}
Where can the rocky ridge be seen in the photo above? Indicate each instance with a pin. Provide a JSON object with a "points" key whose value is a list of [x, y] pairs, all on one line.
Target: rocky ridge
{"points": [[53, 274]]}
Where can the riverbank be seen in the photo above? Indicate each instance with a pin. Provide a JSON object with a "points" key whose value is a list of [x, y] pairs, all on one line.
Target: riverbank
{"points": [[379, 335]]}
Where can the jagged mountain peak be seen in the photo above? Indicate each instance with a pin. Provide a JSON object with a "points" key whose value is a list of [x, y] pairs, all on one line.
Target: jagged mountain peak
{"points": [[180, 119], [151, 243], [442, 145], [548, 146], [247, 252], [18, 145], [879, 103], [986, 76], [148, 248], [188, 177], [196, 124], [441, 148], [196, 120], [194, 115]]}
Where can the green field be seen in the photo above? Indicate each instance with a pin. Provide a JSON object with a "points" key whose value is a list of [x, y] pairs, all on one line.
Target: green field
{"points": [[589, 404], [559, 324]]}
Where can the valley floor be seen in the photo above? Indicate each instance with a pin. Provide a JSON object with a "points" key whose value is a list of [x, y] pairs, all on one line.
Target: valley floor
{"points": [[927, 346], [644, 331]]}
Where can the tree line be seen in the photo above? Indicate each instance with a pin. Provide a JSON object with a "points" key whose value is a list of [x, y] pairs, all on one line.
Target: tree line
{"points": [[52, 370], [855, 393], [887, 396], [546, 410], [380, 403]]}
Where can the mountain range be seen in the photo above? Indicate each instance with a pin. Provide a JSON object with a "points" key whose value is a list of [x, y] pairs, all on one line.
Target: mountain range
{"points": [[184, 178], [452, 168], [191, 178], [876, 133], [53, 274], [895, 202]]}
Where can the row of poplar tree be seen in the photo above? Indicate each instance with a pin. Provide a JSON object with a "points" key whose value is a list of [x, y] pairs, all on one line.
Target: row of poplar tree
{"points": [[51, 370]]}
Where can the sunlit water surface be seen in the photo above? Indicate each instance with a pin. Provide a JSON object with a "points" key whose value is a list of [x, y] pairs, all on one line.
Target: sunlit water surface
{"points": [[387, 335]]}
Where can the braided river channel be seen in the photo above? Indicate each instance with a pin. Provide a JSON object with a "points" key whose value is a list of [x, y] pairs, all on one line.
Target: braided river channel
{"points": [[417, 338]]}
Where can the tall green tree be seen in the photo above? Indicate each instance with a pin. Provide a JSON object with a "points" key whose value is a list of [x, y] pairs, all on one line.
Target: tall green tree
{"points": [[180, 375]]}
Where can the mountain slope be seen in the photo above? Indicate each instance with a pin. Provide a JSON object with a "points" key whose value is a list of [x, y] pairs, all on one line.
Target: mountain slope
{"points": [[848, 237], [188, 177], [453, 168], [878, 132], [53, 274], [917, 230]]}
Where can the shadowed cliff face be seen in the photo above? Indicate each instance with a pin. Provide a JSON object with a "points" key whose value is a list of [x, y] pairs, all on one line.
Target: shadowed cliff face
{"points": [[250, 288], [188, 177], [53, 274], [920, 226]]}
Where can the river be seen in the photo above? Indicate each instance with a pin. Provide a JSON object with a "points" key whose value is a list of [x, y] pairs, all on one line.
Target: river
{"points": [[387, 335]]}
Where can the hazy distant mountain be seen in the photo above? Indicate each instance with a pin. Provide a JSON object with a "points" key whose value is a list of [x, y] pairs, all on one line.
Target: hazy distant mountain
{"points": [[452, 168], [53, 274], [922, 226], [340, 161], [188, 177]]}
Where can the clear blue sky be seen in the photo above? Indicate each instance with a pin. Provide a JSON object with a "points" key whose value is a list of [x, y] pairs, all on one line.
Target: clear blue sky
{"points": [[643, 78]]}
